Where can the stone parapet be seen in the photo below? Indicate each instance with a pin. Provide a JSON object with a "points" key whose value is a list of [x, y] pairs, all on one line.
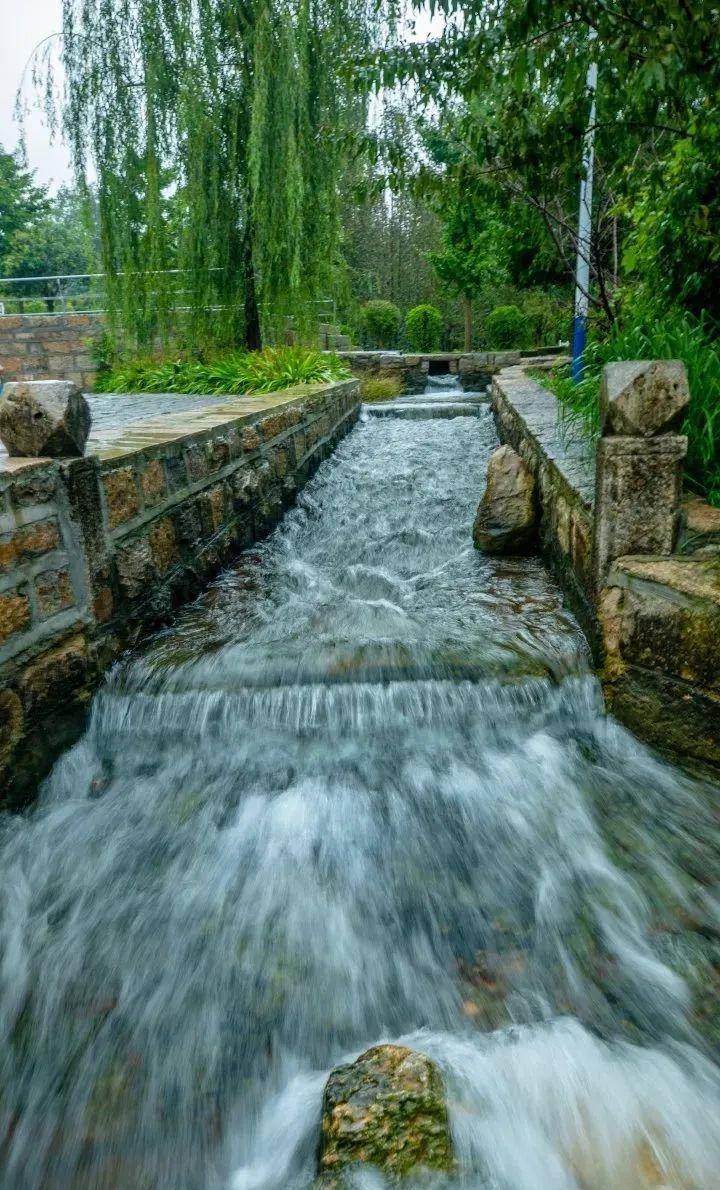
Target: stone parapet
{"points": [[639, 491], [95, 551], [660, 621], [563, 466]]}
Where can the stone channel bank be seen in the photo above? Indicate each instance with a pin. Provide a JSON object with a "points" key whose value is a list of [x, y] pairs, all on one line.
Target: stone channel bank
{"points": [[96, 550], [640, 563]]}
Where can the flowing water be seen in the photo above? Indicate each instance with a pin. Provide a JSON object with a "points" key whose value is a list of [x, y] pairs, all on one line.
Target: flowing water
{"points": [[363, 790]]}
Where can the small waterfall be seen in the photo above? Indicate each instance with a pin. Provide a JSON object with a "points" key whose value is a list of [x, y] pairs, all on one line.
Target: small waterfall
{"points": [[443, 397], [363, 790]]}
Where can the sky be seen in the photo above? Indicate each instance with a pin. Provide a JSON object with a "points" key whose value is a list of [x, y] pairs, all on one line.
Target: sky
{"points": [[23, 24]]}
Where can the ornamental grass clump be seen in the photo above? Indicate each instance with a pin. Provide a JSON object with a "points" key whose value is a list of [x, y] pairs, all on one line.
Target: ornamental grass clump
{"points": [[380, 388], [232, 374]]}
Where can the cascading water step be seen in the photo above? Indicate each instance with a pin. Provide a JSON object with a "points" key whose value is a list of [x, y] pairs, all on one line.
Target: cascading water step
{"points": [[424, 409], [443, 397]]}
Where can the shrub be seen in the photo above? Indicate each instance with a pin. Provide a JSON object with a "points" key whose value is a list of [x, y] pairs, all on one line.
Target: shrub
{"points": [[506, 327], [380, 388], [379, 324], [548, 317], [226, 375], [423, 328]]}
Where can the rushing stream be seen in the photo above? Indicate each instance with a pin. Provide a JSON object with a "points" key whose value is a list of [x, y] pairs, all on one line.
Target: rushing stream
{"points": [[363, 790]]}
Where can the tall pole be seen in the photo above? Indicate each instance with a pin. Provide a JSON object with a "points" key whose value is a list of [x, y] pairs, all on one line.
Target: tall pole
{"points": [[582, 272]]}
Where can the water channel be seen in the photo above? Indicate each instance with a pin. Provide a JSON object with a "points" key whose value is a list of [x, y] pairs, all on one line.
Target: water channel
{"points": [[364, 789]]}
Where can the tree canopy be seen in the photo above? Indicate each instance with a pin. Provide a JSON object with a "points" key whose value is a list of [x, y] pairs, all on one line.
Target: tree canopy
{"points": [[216, 130]]}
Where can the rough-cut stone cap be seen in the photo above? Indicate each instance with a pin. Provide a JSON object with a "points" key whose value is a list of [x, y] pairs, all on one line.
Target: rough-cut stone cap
{"points": [[643, 397], [44, 419]]}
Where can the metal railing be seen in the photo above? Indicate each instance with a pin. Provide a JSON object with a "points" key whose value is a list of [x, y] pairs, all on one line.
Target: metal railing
{"points": [[52, 294], [84, 293]]}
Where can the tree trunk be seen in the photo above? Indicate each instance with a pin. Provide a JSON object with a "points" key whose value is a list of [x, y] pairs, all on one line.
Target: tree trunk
{"points": [[253, 334], [468, 316]]}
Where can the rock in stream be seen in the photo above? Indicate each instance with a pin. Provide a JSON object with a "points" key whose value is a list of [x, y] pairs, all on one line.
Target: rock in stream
{"points": [[387, 1109]]}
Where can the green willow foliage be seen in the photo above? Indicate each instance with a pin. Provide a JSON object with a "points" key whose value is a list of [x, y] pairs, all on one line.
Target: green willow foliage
{"points": [[215, 128]]}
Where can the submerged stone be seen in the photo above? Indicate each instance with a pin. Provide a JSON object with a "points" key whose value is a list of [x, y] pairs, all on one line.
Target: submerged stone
{"points": [[44, 419], [386, 1109], [506, 517]]}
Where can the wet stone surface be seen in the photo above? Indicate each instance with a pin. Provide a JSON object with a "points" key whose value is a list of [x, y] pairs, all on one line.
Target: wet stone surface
{"points": [[111, 411]]}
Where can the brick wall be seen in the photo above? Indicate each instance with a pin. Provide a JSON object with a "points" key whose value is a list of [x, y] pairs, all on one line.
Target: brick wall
{"points": [[49, 346], [95, 551]]}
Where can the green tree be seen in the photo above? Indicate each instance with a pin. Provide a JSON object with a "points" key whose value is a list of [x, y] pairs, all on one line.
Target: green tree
{"points": [[518, 73], [236, 110], [22, 204], [471, 254], [59, 241], [673, 248]]}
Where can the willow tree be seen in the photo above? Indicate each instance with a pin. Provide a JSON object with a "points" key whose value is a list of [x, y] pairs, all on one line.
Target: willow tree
{"points": [[215, 130]]}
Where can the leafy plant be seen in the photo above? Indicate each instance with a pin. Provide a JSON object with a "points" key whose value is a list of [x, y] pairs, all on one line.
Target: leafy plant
{"points": [[547, 317], [379, 323], [506, 327], [380, 388], [423, 328], [265, 371]]}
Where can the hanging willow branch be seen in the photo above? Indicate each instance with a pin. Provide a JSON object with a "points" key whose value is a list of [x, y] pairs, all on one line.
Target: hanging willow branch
{"points": [[214, 128]]}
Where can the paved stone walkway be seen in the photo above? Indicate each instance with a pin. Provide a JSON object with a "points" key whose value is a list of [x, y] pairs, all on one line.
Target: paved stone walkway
{"points": [[112, 411], [560, 441]]}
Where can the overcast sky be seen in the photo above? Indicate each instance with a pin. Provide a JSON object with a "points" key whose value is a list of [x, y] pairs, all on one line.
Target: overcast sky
{"points": [[24, 23]]}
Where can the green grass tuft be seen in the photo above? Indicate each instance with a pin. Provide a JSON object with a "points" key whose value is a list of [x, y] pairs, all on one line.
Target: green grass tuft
{"points": [[380, 388], [232, 374], [675, 336]]}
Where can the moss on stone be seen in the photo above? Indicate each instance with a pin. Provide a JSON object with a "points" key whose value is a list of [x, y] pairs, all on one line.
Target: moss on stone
{"points": [[388, 1110]]}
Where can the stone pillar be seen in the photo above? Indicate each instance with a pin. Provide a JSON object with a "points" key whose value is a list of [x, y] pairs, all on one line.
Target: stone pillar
{"points": [[639, 460]]}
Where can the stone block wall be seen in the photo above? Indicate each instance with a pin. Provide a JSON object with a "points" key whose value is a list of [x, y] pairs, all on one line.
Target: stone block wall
{"points": [[474, 369], [660, 621], [527, 418], [49, 347], [46, 668], [96, 551]]}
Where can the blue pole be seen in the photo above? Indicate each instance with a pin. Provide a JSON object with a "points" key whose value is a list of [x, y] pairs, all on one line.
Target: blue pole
{"points": [[579, 339], [582, 272]]}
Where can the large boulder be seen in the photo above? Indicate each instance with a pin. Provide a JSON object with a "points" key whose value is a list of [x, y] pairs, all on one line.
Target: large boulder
{"points": [[506, 517], [44, 419], [640, 398], [386, 1109]]}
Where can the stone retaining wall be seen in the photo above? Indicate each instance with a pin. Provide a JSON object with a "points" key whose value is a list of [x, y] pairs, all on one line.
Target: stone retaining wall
{"points": [[652, 618], [95, 551], [526, 415], [49, 346]]}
